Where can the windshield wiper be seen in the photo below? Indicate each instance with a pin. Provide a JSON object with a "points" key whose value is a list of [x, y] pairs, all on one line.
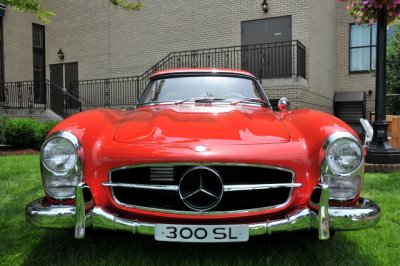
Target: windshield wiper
{"points": [[201, 100], [153, 102], [252, 100]]}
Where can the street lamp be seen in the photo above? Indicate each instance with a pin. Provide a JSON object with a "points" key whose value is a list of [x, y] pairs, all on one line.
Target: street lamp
{"points": [[379, 151]]}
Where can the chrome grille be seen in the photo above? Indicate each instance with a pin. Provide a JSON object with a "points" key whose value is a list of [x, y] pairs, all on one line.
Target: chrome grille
{"points": [[245, 187]]}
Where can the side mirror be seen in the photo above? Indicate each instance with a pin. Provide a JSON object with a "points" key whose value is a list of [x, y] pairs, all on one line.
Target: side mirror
{"points": [[283, 104]]}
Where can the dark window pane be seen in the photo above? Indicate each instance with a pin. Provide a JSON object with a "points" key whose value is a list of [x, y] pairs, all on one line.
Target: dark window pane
{"points": [[360, 35], [38, 60], [373, 41], [373, 58], [360, 59], [37, 36]]}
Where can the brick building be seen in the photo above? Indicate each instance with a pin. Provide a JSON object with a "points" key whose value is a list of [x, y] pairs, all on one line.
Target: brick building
{"points": [[90, 40]]}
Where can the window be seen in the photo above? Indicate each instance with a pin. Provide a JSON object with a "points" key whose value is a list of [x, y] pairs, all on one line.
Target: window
{"points": [[362, 48], [39, 66]]}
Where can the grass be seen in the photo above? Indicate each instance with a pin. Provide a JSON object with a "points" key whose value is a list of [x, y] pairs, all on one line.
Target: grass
{"points": [[23, 244]]}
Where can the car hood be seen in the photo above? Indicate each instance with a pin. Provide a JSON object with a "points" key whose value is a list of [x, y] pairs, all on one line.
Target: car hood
{"points": [[186, 123]]}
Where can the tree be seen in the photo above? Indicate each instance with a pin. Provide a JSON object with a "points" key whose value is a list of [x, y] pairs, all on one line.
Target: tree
{"points": [[393, 62], [34, 6]]}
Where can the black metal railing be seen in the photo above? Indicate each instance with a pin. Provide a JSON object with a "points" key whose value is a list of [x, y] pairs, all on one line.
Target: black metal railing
{"points": [[62, 102], [39, 94], [393, 104], [20, 95], [268, 60], [122, 92]]}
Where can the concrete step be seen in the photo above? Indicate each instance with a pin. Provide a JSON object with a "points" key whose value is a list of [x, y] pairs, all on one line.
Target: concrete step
{"points": [[40, 114]]}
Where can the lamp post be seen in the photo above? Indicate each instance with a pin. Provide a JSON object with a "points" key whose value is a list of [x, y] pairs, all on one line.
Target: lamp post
{"points": [[379, 151]]}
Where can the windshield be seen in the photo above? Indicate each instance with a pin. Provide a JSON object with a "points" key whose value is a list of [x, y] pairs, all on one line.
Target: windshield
{"points": [[218, 88]]}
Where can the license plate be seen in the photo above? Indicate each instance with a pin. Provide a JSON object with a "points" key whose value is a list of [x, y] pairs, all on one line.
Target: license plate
{"points": [[201, 233]]}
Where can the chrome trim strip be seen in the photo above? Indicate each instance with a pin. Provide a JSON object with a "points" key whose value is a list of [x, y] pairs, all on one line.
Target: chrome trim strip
{"points": [[228, 188], [200, 164], [142, 186]]}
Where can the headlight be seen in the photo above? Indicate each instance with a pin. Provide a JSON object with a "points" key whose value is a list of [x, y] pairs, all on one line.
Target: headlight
{"points": [[59, 155], [343, 187], [344, 155], [61, 167], [342, 169]]}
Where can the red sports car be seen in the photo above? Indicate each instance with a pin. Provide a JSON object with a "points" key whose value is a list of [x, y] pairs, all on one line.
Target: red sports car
{"points": [[203, 158]]}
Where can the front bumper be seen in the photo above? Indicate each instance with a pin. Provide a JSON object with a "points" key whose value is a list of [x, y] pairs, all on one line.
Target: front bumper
{"points": [[365, 214]]}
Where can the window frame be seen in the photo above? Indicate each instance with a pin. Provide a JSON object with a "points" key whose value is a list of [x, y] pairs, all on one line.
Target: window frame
{"points": [[370, 46]]}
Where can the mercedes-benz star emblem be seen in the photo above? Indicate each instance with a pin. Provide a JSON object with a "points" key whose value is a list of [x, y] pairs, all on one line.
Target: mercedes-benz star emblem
{"points": [[201, 188]]}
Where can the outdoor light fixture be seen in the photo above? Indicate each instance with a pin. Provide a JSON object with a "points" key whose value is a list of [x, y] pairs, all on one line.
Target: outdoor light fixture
{"points": [[60, 54], [264, 6]]}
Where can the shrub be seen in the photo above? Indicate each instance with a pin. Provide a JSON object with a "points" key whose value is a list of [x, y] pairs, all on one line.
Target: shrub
{"points": [[2, 126], [26, 133], [20, 132], [42, 130]]}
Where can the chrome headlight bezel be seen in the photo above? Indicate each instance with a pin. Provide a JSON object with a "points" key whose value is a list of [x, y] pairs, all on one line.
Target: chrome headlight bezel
{"points": [[71, 176], [353, 177]]}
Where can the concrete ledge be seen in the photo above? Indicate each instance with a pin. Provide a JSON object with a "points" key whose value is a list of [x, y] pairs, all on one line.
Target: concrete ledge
{"points": [[386, 168], [284, 82]]}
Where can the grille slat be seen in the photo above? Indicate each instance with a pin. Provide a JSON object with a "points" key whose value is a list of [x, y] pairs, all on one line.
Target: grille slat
{"points": [[162, 174], [246, 187]]}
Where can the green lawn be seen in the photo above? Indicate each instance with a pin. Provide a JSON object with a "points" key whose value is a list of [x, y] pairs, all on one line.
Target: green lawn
{"points": [[22, 244]]}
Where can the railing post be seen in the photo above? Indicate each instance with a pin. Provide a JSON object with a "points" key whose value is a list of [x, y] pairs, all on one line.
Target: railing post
{"points": [[137, 89], [30, 96]]}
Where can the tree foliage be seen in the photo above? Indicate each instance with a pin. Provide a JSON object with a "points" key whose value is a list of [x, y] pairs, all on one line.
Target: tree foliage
{"points": [[34, 6], [393, 62]]}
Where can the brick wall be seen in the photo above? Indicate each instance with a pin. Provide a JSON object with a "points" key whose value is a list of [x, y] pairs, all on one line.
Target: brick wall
{"points": [[17, 33], [322, 56], [109, 42]]}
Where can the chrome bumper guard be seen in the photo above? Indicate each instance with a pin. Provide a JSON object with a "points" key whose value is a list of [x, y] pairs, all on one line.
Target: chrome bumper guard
{"points": [[365, 214]]}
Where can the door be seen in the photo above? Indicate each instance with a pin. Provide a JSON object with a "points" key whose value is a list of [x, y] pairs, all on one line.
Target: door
{"points": [[61, 76], [274, 57]]}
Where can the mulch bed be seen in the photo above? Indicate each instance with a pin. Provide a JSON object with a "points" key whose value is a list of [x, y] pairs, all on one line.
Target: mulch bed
{"points": [[8, 150]]}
